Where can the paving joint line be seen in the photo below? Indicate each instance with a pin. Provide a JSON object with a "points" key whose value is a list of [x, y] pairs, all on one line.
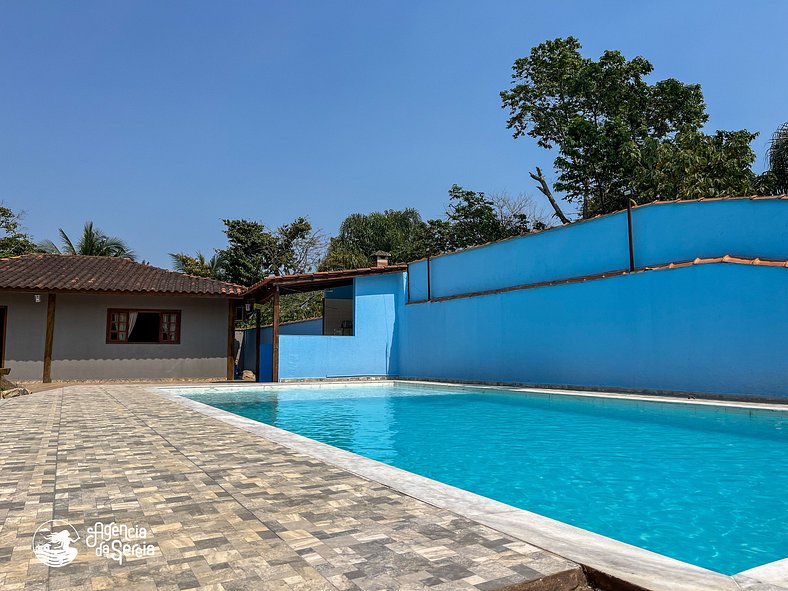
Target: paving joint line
{"points": [[211, 478]]}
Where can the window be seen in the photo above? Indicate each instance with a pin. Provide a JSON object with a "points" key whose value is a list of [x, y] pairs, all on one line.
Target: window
{"points": [[144, 326]]}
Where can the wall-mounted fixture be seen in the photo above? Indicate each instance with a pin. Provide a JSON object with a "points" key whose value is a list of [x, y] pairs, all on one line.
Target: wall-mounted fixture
{"points": [[37, 298]]}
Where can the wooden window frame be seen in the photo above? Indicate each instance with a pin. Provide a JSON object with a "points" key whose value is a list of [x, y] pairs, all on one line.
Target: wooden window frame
{"points": [[160, 312]]}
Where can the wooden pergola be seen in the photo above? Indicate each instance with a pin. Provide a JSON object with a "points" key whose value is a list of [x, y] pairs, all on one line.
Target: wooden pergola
{"points": [[273, 287]]}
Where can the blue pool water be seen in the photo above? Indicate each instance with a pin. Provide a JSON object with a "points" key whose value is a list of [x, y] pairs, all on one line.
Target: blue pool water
{"points": [[703, 485]]}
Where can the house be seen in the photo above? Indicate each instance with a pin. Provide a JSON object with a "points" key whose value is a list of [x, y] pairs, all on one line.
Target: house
{"points": [[66, 317], [676, 296]]}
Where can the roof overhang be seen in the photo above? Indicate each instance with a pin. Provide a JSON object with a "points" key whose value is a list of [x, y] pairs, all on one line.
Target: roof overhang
{"points": [[307, 282], [96, 292]]}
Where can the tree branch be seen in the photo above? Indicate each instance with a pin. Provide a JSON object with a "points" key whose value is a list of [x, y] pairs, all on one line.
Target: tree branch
{"points": [[545, 189]]}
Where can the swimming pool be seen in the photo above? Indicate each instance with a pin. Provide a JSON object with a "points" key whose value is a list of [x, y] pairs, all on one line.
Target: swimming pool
{"points": [[704, 484]]}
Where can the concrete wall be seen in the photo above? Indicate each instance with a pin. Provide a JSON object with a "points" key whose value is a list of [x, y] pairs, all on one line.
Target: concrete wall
{"points": [[714, 328], [80, 350], [663, 233], [25, 331], [370, 351], [312, 327]]}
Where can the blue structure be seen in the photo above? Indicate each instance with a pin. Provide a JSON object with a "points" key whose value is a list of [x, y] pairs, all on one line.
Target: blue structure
{"points": [[313, 326], [370, 351], [560, 308]]}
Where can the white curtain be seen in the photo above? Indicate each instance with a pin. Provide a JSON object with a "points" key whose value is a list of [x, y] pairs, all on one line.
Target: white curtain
{"points": [[132, 322]]}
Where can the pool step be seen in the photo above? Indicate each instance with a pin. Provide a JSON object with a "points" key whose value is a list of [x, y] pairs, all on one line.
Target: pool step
{"points": [[572, 579]]}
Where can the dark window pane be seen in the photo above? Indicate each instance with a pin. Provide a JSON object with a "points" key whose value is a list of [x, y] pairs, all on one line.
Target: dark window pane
{"points": [[146, 328]]}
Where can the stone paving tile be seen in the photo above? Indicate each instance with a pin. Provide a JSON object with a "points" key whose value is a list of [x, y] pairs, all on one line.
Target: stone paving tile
{"points": [[226, 509]]}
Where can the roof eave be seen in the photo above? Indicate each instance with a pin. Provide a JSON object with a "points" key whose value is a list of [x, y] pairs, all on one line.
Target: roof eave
{"points": [[121, 293]]}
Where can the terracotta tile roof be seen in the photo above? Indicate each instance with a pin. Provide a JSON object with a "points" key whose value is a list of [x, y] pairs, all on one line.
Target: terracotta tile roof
{"points": [[724, 259], [92, 274]]}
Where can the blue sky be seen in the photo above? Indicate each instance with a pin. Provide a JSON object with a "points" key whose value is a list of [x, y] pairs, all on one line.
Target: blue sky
{"points": [[158, 119]]}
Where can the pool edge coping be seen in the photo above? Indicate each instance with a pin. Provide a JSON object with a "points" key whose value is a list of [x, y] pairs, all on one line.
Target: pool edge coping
{"points": [[638, 566]]}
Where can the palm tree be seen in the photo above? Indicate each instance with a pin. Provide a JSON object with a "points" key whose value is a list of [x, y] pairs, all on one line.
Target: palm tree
{"points": [[198, 264], [93, 242], [778, 158]]}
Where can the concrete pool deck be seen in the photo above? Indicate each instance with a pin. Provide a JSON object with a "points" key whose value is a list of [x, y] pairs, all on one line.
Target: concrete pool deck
{"points": [[226, 509], [234, 504]]}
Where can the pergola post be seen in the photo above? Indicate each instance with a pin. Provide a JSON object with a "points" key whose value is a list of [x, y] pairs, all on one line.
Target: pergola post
{"points": [[257, 344], [231, 340], [48, 339], [275, 348]]}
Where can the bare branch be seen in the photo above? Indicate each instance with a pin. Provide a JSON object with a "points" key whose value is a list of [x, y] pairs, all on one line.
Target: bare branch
{"points": [[545, 190]]}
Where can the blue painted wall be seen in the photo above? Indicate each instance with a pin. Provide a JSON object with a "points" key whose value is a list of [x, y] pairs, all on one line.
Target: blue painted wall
{"points": [[266, 362], [417, 277], [370, 351], [581, 249], [663, 233], [714, 328], [246, 358]]}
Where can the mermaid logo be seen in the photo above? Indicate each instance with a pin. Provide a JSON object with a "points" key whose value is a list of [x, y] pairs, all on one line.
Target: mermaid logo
{"points": [[52, 543]]}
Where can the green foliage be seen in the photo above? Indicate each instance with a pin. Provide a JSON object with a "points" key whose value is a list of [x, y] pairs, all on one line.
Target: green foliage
{"points": [[694, 165], [778, 159], [472, 218], [92, 242], [619, 135], [198, 265], [13, 241], [253, 252], [397, 232], [292, 306]]}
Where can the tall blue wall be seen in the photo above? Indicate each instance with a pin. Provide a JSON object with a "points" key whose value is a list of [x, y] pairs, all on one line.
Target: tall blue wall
{"points": [[371, 351], [717, 328], [712, 328], [662, 233]]}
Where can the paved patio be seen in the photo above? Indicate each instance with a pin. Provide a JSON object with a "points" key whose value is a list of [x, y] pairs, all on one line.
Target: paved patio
{"points": [[227, 509]]}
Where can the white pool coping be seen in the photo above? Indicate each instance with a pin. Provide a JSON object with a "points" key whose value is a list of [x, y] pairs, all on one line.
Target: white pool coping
{"points": [[623, 561]]}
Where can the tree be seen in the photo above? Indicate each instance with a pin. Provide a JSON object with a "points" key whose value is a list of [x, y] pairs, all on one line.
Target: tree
{"points": [[616, 133], [693, 165], [13, 242], [92, 242], [544, 189], [361, 234], [198, 265], [510, 209], [472, 219], [253, 252], [778, 159]]}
